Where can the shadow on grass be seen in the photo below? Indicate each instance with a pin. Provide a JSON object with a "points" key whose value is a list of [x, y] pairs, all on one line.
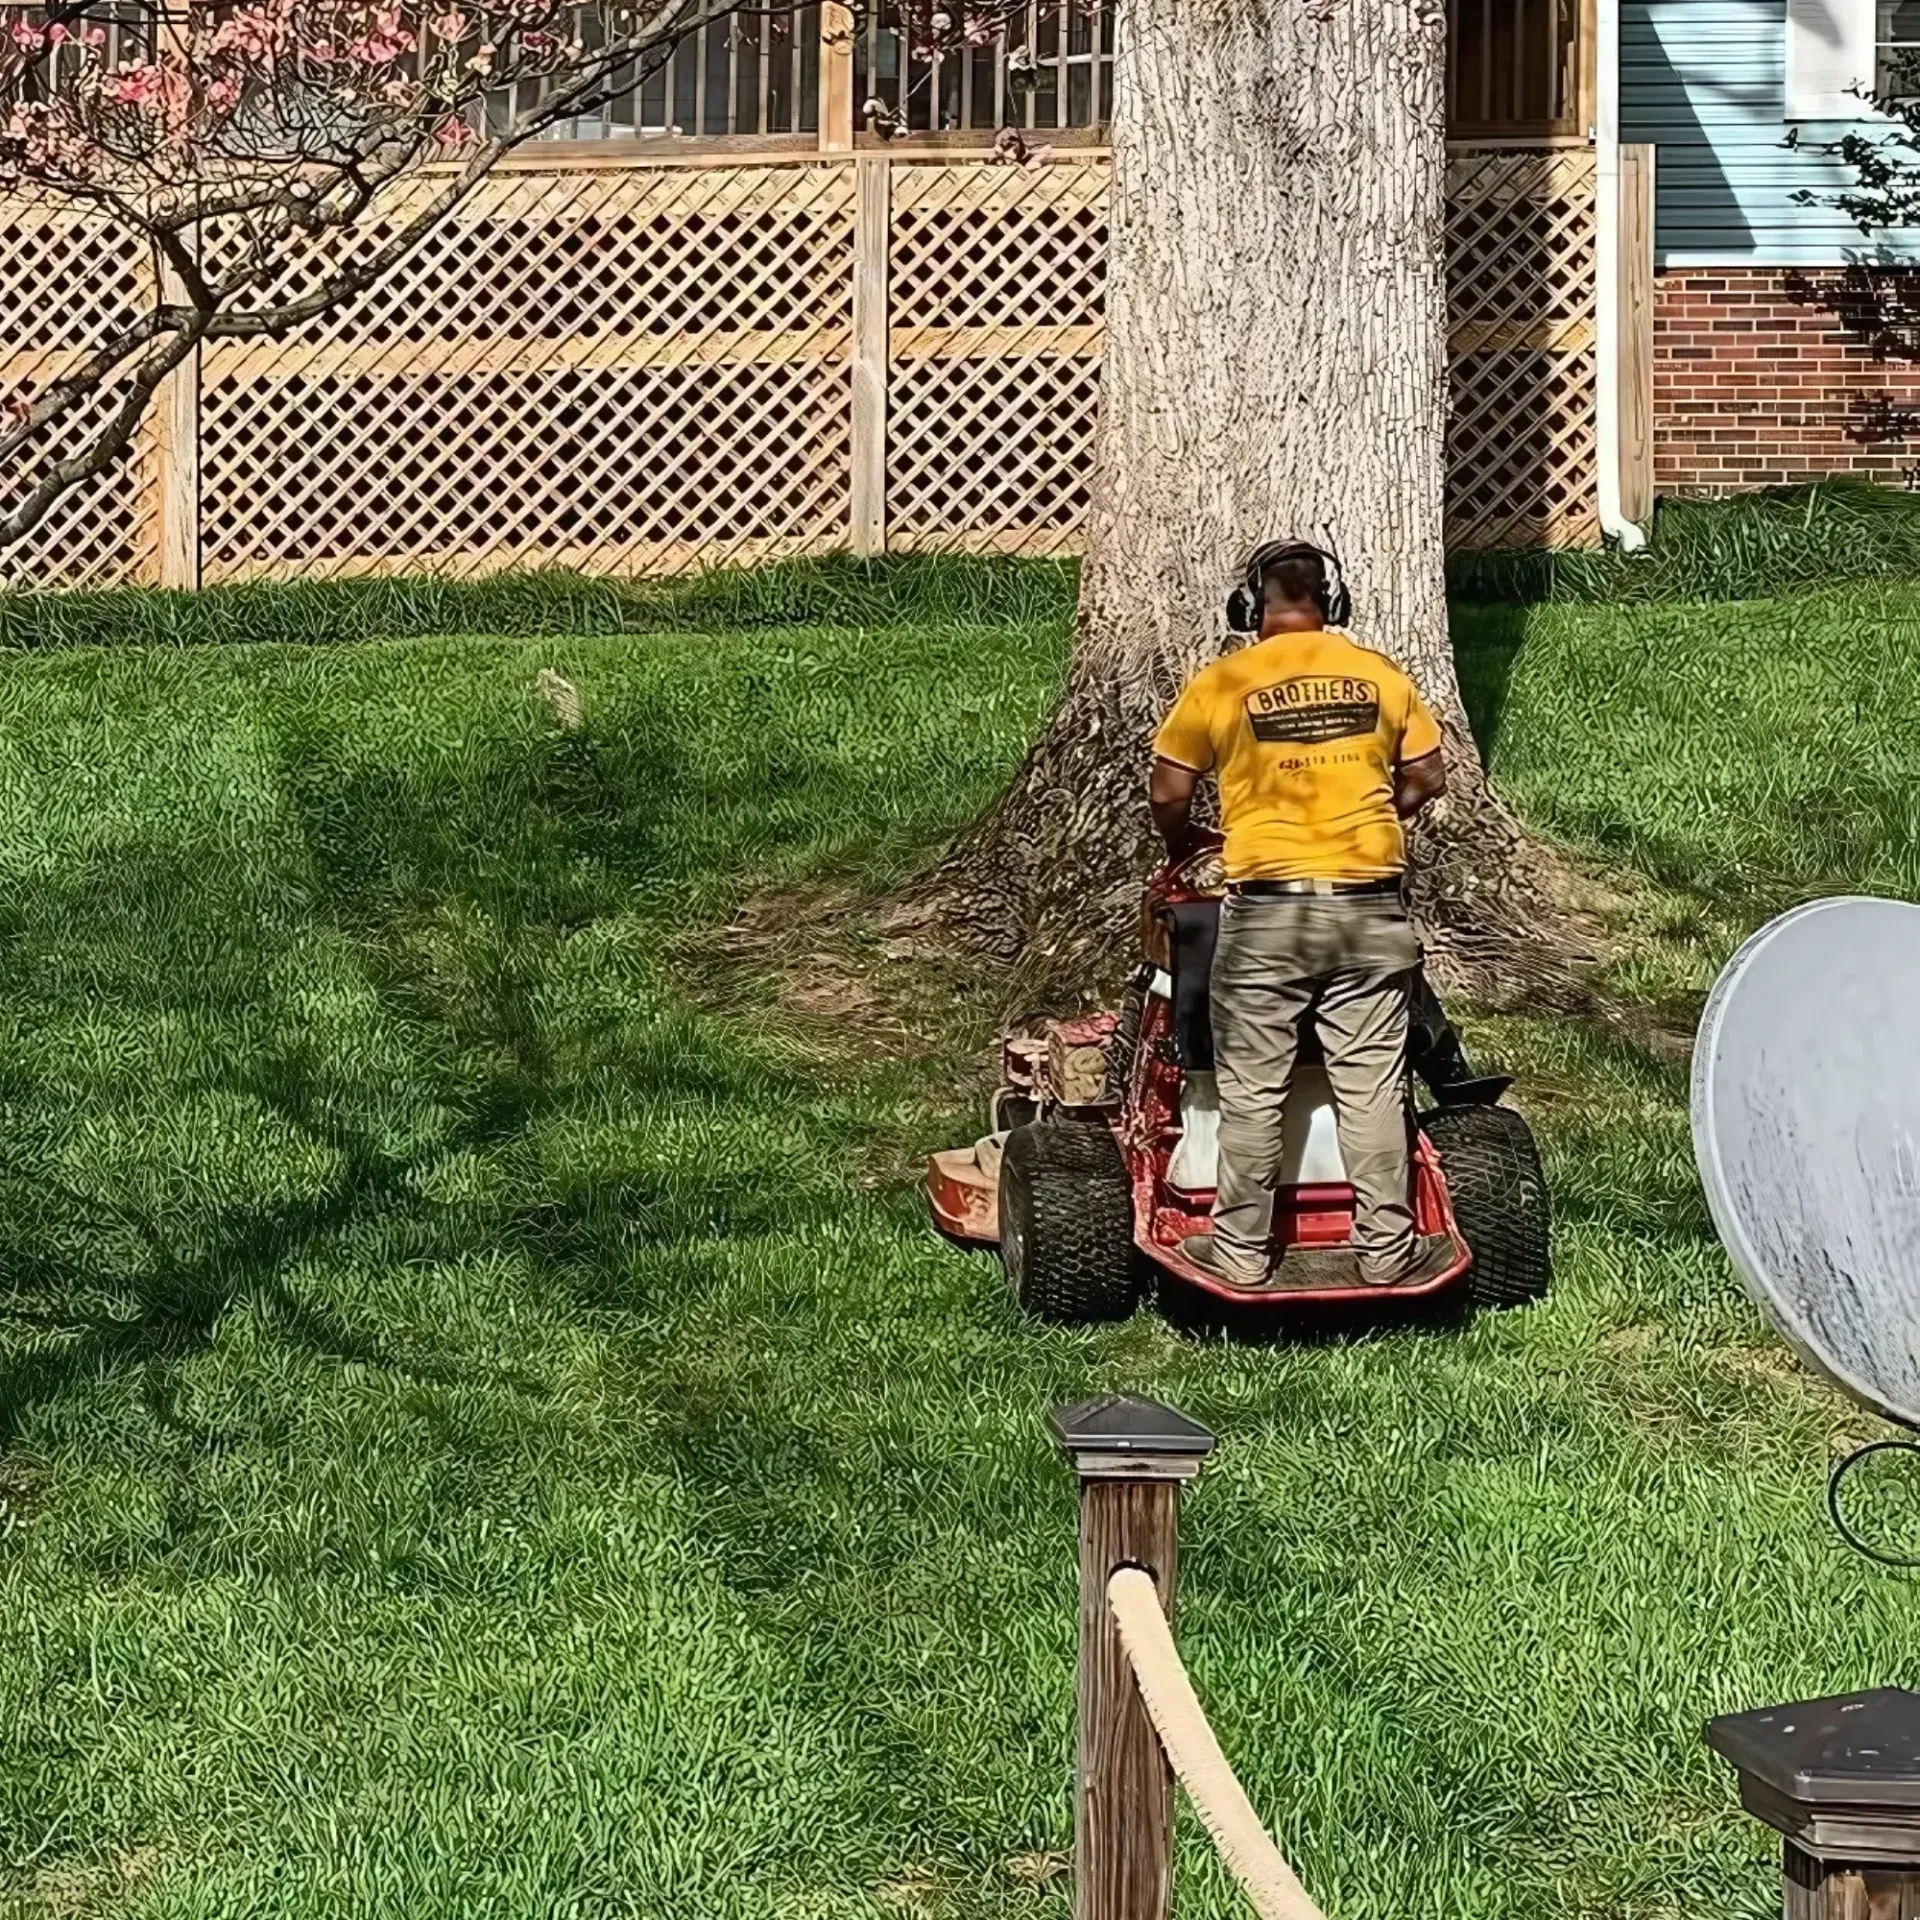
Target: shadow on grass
{"points": [[1487, 643], [1368, 1320], [455, 894]]}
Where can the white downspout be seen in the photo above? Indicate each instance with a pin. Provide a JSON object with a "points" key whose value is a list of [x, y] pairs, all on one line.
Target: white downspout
{"points": [[1606, 264]]}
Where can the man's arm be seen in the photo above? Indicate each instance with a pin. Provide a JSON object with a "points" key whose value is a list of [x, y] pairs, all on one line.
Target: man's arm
{"points": [[1170, 794], [1415, 782]]}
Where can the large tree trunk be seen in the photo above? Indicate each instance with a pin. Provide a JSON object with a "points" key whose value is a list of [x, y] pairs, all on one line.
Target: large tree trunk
{"points": [[1276, 366]]}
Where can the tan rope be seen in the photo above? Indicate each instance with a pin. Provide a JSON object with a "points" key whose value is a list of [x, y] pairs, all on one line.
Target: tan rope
{"points": [[1217, 1796]]}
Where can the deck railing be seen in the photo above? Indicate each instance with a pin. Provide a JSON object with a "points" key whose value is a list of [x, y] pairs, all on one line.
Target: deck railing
{"points": [[1516, 70]]}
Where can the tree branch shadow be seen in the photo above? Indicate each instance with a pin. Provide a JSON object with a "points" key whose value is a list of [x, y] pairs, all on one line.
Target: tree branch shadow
{"points": [[1876, 307], [455, 891]]}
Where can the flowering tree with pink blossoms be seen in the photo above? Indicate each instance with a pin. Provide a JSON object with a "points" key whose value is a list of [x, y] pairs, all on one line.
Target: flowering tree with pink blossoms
{"points": [[252, 145]]}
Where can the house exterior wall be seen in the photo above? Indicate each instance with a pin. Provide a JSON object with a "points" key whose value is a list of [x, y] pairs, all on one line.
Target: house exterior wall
{"points": [[1766, 369], [1762, 379], [1706, 81]]}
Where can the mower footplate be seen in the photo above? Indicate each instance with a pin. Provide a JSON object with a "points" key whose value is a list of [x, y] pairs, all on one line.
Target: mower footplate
{"points": [[1312, 1274]]}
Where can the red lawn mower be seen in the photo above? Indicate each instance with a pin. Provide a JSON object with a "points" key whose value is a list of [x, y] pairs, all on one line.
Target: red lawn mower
{"points": [[1103, 1147]]}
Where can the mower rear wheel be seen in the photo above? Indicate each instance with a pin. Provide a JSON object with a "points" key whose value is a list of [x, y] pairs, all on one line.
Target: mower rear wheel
{"points": [[1066, 1223], [1500, 1203]]}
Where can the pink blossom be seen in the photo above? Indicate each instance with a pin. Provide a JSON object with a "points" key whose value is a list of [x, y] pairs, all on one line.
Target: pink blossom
{"points": [[451, 25], [27, 36], [134, 86], [248, 33]]}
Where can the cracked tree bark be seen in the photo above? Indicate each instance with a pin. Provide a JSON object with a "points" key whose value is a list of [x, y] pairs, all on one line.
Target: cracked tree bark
{"points": [[1276, 364]]}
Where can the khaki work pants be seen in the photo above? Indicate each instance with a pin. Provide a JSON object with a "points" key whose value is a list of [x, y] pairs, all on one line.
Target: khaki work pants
{"points": [[1344, 959]]}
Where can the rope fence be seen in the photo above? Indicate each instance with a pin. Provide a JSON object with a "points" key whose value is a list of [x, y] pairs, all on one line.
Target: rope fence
{"points": [[1198, 1764], [1141, 1725]]}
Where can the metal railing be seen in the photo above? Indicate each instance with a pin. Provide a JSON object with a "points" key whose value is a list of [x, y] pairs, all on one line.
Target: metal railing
{"points": [[1514, 68], [1052, 68], [756, 72], [1519, 68]]}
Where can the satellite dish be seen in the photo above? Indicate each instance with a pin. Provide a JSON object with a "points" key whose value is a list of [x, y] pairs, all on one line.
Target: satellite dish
{"points": [[1806, 1130]]}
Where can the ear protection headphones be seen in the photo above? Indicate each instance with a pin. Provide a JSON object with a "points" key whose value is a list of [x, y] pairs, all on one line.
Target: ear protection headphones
{"points": [[1244, 603]]}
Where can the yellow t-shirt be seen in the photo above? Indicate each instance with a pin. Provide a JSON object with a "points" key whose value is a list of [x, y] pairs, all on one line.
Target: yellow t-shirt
{"points": [[1305, 730]]}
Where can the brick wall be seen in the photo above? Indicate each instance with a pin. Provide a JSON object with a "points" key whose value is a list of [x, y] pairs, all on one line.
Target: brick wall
{"points": [[1765, 376]]}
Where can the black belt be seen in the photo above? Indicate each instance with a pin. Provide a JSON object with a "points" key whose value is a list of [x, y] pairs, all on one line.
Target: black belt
{"points": [[1269, 889]]}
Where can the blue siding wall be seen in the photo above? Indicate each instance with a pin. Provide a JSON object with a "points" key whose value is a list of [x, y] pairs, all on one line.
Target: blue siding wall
{"points": [[1705, 80]]}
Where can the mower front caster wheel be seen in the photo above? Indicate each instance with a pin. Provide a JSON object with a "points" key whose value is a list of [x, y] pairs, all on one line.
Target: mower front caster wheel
{"points": [[1066, 1223]]}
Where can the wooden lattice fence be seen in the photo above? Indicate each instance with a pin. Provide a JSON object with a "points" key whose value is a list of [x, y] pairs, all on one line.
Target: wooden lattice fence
{"points": [[1522, 452], [650, 367], [67, 283]]}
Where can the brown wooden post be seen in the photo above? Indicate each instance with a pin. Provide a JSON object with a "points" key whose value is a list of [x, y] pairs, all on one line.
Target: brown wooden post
{"points": [[169, 469], [1636, 333], [1132, 1458], [176, 476], [1840, 1779], [1585, 89]]}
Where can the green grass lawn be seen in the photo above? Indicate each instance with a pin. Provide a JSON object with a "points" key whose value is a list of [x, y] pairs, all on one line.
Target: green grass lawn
{"points": [[485, 1430]]}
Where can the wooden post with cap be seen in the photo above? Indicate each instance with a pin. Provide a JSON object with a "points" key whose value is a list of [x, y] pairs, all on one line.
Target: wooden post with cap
{"points": [[1132, 1457], [1840, 1780]]}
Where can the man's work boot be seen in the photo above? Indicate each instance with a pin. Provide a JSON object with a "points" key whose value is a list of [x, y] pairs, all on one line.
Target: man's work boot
{"points": [[1206, 1254], [1431, 1257]]}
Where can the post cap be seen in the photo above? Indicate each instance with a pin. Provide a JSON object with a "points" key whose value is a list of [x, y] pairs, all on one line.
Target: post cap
{"points": [[1853, 1749], [1120, 1436]]}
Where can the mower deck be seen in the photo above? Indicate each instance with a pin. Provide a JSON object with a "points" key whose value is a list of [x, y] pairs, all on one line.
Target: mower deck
{"points": [[963, 1189]]}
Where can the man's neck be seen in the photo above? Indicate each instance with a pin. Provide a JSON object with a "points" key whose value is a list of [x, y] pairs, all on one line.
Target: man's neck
{"points": [[1287, 624]]}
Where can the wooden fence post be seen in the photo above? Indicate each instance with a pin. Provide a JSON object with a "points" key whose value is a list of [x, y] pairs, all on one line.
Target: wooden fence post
{"points": [[873, 237], [174, 443], [1636, 333], [1132, 1458], [1840, 1779], [836, 76]]}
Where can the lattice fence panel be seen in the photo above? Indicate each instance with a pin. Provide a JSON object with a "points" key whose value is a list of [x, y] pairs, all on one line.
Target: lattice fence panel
{"points": [[612, 370], [1522, 444], [67, 280], [647, 368], [998, 320]]}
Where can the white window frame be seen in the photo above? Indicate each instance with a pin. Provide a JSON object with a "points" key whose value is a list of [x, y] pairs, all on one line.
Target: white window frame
{"points": [[1887, 51], [1832, 49]]}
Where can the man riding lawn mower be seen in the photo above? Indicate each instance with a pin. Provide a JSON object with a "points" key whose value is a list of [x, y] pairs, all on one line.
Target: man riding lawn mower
{"points": [[1245, 1125]]}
